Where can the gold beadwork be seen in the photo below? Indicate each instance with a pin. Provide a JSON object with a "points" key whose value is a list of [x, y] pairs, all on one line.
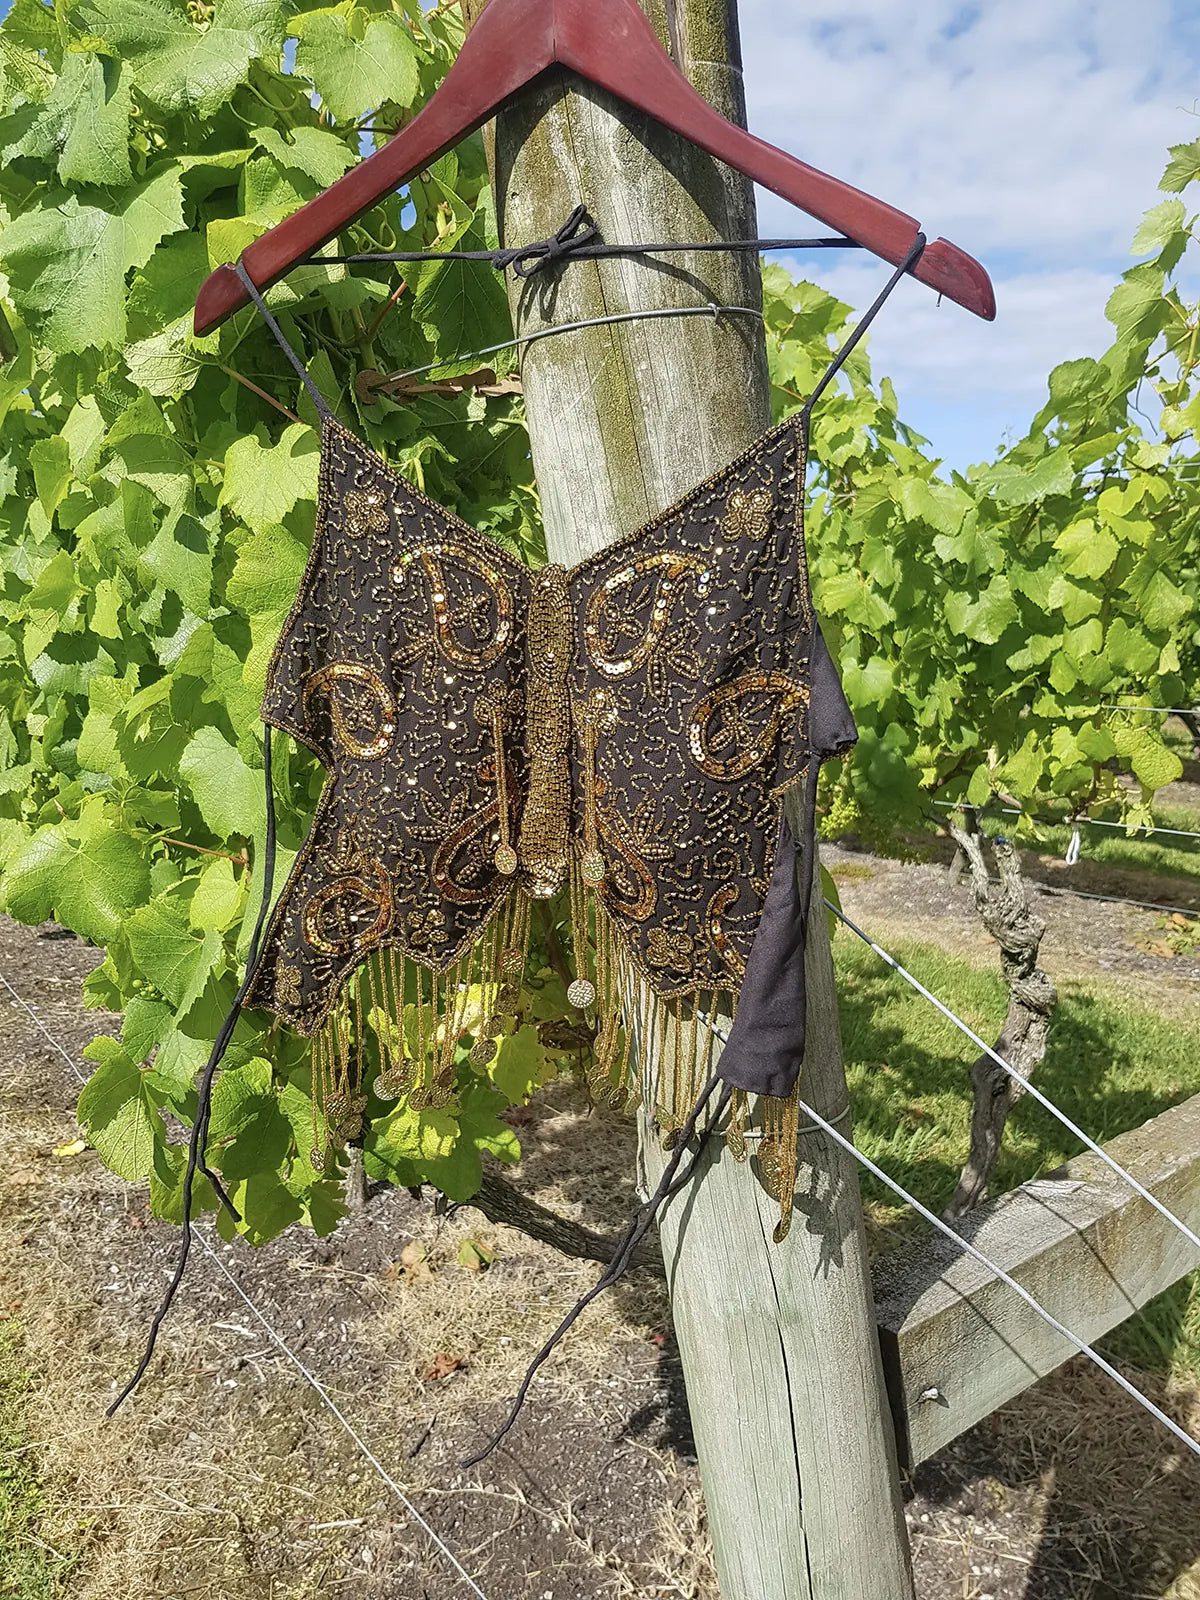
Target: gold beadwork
{"points": [[450, 624], [287, 986], [542, 847], [352, 910], [751, 745], [362, 712], [366, 512], [607, 619], [748, 514]]}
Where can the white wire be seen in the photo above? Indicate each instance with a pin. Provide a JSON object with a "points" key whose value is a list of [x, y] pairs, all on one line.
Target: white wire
{"points": [[1026, 1085], [1081, 1345], [1077, 822], [277, 1339], [1018, 1289]]}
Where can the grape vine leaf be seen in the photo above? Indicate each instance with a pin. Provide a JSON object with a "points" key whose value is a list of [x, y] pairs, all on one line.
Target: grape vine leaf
{"points": [[115, 1111], [263, 482], [85, 121], [356, 62], [67, 258], [320, 156], [84, 871], [175, 958], [179, 65], [229, 794], [1183, 167]]}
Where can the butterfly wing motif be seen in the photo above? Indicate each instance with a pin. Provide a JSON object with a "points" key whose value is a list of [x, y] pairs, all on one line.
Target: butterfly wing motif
{"points": [[400, 667], [692, 685]]}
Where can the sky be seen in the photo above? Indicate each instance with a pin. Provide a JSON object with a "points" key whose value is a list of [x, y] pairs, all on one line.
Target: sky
{"points": [[1032, 133]]}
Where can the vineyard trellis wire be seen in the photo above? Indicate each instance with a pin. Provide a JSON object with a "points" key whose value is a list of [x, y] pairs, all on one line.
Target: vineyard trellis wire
{"points": [[277, 1338]]}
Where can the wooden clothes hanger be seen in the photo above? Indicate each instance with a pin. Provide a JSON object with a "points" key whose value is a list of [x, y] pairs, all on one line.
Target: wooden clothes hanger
{"points": [[612, 45]]}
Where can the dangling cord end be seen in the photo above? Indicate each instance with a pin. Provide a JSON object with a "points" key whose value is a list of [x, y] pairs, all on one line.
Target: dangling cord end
{"points": [[199, 1135], [669, 1185]]}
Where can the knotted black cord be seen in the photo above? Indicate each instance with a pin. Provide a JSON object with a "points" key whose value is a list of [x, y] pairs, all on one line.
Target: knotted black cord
{"points": [[670, 1184], [199, 1135], [580, 237]]}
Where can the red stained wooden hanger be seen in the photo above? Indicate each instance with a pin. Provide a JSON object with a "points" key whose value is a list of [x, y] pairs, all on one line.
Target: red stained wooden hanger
{"points": [[611, 44]]}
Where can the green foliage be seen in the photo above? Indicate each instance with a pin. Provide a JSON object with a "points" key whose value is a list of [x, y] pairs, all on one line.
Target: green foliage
{"points": [[1111, 1065], [986, 625], [157, 496]]}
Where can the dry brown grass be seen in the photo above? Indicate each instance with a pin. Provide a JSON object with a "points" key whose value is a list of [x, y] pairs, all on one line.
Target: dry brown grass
{"points": [[493, 1322], [254, 1493]]}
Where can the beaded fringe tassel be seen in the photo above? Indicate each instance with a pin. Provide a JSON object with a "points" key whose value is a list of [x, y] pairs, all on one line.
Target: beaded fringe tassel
{"points": [[645, 1050], [418, 1019], [657, 1052]]}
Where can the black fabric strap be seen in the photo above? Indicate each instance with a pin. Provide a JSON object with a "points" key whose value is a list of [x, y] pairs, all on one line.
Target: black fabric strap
{"points": [[196, 1159], [251, 289]]}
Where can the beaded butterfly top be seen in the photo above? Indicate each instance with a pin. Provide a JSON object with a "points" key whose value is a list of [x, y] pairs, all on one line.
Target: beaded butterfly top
{"points": [[625, 731]]}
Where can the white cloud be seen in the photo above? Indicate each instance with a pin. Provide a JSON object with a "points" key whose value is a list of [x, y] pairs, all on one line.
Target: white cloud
{"points": [[1036, 127], [1031, 133], [1042, 319]]}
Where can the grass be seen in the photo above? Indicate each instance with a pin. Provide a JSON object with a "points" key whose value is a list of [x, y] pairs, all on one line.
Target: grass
{"points": [[1110, 1065], [29, 1568]]}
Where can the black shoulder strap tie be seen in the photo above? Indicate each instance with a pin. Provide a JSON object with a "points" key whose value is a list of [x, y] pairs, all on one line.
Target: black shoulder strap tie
{"points": [[671, 1183], [197, 1144], [576, 233], [251, 288], [916, 251]]}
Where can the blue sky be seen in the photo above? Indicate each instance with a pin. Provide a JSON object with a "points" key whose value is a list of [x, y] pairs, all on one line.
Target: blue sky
{"points": [[1032, 133]]}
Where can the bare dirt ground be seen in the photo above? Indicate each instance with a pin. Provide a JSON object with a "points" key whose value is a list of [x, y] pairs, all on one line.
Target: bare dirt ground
{"points": [[227, 1477]]}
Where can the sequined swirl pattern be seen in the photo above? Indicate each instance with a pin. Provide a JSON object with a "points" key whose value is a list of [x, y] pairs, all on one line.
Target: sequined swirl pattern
{"points": [[623, 729]]}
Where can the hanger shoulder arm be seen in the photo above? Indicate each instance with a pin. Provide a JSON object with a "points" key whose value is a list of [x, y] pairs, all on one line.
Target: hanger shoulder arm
{"points": [[615, 47], [507, 48]]}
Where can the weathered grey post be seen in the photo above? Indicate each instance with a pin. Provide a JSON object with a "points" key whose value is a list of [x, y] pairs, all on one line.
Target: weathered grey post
{"points": [[779, 1343]]}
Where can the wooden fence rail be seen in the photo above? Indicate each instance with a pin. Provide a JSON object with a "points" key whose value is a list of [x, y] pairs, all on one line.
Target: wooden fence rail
{"points": [[957, 1342]]}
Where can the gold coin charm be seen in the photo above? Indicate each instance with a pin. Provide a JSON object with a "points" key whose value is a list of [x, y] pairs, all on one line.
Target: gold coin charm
{"points": [[512, 960], [591, 869], [505, 860], [582, 994], [482, 1053]]}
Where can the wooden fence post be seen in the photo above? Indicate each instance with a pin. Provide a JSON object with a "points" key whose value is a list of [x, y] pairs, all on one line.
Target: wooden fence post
{"points": [[779, 1343]]}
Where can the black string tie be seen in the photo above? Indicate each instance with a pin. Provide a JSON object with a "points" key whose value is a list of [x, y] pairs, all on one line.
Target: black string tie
{"points": [[577, 232], [673, 1180]]}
